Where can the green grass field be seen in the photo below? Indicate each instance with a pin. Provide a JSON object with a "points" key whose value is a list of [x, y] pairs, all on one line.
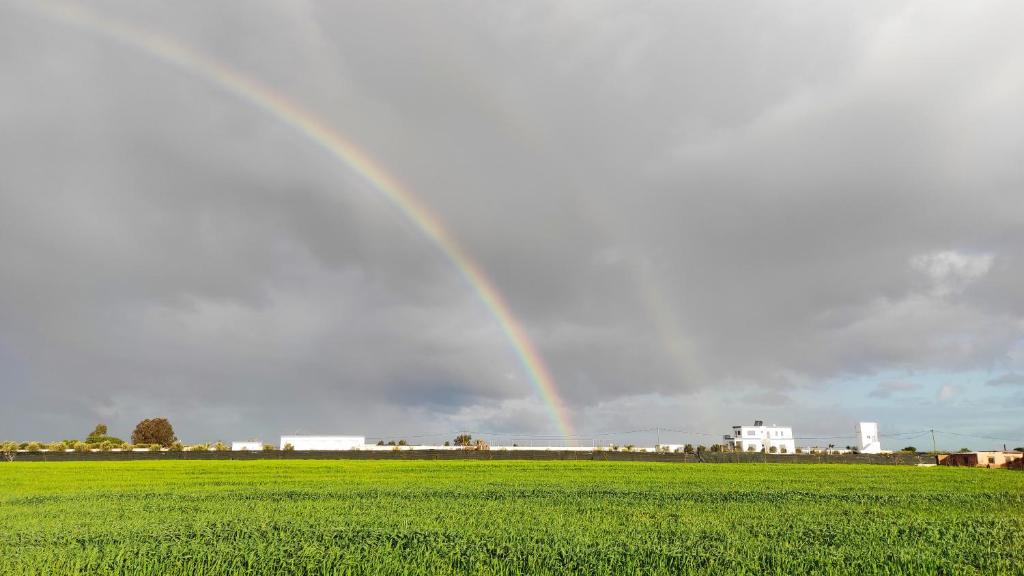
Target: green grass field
{"points": [[455, 517]]}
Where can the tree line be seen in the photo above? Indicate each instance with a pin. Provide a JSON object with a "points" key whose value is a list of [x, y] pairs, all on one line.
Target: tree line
{"points": [[150, 433]]}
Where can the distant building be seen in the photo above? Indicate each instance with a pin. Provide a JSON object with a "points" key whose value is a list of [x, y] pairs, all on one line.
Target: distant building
{"points": [[994, 459], [247, 445], [869, 441], [323, 442], [761, 438]]}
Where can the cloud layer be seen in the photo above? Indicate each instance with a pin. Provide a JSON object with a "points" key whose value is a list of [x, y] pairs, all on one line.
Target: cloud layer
{"points": [[703, 212]]}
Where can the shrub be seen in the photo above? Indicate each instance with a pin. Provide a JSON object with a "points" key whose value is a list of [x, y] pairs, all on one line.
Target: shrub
{"points": [[269, 447], [127, 447], [773, 449], [221, 447], [751, 448], [198, 448], [381, 443], [288, 447], [102, 439], [463, 440], [177, 447], [688, 449], [155, 447], [701, 449], [783, 450], [34, 447], [56, 447], [403, 443], [799, 450], [106, 446], [9, 451], [80, 447]]}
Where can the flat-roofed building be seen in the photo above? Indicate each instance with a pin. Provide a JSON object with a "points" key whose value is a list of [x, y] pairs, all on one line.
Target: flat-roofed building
{"points": [[991, 459], [761, 438]]}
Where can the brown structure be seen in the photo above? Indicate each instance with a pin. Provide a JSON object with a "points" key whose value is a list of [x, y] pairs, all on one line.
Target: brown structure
{"points": [[998, 459]]}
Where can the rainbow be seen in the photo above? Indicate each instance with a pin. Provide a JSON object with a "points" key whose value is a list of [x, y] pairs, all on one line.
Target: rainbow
{"points": [[263, 97]]}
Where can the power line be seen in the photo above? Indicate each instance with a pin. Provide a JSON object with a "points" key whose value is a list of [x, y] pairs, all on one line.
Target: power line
{"points": [[1010, 440], [910, 435]]}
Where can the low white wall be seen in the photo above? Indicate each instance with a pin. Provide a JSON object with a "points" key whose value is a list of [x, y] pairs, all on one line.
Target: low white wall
{"points": [[324, 442], [375, 448], [240, 446]]}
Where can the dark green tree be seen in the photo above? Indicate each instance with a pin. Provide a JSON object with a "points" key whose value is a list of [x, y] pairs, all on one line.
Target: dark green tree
{"points": [[99, 436]]}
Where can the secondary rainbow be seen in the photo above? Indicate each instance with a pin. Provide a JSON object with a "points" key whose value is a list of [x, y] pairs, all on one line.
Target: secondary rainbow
{"points": [[275, 104]]}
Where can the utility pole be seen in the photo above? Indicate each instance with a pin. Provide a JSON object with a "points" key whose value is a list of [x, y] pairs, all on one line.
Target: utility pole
{"points": [[934, 449]]}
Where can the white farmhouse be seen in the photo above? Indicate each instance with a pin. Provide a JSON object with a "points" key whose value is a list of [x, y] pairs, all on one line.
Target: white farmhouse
{"points": [[761, 438], [247, 445], [324, 442], [868, 434]]}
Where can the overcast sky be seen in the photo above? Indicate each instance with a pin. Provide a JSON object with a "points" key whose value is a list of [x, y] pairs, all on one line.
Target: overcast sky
{"points": [[702, 214]]}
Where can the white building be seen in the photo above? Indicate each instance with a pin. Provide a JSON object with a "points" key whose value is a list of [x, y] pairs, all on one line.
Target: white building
{"points": [[761, 438], [868, 434], [324, 442], [247, 445]]}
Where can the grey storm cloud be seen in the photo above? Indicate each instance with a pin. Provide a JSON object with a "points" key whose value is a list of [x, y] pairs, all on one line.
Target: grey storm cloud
{"points": [[685, 204]]}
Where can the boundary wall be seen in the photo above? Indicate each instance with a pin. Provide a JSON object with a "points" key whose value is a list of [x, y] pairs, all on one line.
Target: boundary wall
{"points": [[707, 457]]}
